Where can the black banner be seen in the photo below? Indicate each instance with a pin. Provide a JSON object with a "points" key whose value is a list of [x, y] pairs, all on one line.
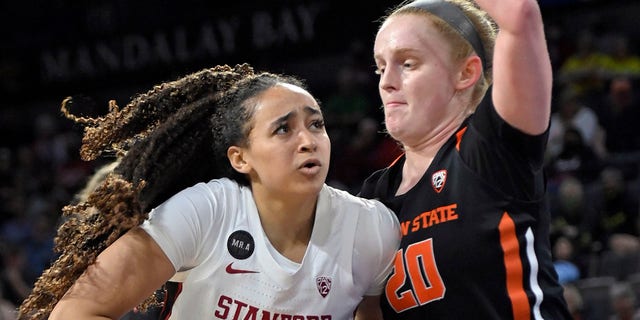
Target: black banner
{"points": [[65, 47]]}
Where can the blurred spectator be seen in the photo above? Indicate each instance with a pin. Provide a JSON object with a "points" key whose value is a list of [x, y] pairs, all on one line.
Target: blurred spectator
{"points": [[8, 311], [619, 114], [622, 259], [572, 113], [574, 301], [624, 244], [347, 105], [6, 177], [49, 146], [571, 218], [39, 245], [582, 70], [615, 205], [14, 285], [575, 159], [622, 60], [366, 151], [623, 302], [563, 255]]}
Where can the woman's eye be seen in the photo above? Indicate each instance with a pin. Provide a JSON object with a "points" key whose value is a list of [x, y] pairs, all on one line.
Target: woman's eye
{"points": [[282, 129], [318, 124], [379, 71]]}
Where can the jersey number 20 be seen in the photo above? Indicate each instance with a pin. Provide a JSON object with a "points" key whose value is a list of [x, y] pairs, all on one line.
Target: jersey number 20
{"points": [[417, 265]]}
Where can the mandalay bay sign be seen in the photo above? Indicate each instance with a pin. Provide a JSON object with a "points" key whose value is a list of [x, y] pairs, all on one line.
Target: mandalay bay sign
{"points": [[241, 35]]}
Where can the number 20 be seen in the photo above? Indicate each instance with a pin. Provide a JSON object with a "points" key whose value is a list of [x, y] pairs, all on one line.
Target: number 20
{"points": [[417, 258]]}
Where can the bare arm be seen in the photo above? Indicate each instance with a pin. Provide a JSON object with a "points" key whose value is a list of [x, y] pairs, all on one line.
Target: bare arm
{"points": [[369, 309], [124, 274], [522, 68]]}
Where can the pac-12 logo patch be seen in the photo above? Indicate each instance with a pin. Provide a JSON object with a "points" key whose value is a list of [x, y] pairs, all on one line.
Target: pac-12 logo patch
{"points": [[324, 285], [438, 179], [240, 244]]}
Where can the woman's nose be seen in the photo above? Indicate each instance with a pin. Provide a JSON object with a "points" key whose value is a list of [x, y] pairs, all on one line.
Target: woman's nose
{"points": [[307, 142], [387, 81]]}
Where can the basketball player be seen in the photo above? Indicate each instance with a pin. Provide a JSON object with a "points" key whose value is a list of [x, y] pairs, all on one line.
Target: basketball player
{"points": [[265, 239], [469, 190]]}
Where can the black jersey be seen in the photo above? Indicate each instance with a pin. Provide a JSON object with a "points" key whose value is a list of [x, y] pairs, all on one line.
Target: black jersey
{"points": [[475, 229]]}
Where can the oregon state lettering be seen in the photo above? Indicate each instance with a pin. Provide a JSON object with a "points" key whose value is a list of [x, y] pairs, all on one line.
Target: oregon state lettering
{"points": [[430, 218], [229, 308]]}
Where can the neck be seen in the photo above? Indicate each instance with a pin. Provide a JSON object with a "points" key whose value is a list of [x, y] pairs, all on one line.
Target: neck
{"points": [[287, 222], [420, 155], [415, 165]]}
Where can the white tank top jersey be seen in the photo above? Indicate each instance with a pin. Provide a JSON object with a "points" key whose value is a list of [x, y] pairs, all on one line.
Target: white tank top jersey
{"points": [[228, 269]]}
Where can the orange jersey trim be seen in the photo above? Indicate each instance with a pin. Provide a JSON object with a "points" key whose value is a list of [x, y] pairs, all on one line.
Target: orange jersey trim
{"points": [[396, 160], [513, 265], [459, 135]]}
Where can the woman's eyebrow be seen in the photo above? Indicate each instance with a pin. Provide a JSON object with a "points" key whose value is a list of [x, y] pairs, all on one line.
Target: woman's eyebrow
{"points": [[307, 109], [311, 110], [282, 119]]}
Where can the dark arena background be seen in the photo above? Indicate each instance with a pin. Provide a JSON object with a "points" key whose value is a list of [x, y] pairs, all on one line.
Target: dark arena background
{"points": [[100, 50]]}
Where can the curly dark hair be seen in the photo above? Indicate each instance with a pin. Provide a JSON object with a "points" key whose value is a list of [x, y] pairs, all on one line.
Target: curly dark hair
{"points": [[165, 140]]}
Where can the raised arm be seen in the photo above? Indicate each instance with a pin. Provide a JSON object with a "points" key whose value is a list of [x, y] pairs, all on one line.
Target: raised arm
{"points": [[522, 73], [124, 274]]}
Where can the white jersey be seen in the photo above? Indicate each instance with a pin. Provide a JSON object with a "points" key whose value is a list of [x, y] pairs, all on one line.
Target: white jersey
{"points": [[228, 269]]}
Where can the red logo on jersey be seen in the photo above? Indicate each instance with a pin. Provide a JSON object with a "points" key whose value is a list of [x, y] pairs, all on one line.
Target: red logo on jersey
{"points": [[324, 285], [438, 179], [232, 270]]}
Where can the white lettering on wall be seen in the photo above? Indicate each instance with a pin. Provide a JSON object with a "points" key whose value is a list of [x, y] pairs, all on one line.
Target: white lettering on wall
{"points": [[211, 39]]}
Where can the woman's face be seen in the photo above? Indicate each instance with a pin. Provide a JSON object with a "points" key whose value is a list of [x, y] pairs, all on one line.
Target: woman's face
{"points": [[417, 75], [289, 149]]}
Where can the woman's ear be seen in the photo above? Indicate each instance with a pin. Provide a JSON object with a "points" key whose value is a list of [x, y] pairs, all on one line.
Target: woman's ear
{"points": [[236, 159], [470, 72]]}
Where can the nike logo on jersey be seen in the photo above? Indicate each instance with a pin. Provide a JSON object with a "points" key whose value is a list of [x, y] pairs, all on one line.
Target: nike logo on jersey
{"points": [[231, 270]]}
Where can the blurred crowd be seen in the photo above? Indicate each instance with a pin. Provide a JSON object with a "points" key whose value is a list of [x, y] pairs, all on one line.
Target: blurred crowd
{"points": [[592, 164]]}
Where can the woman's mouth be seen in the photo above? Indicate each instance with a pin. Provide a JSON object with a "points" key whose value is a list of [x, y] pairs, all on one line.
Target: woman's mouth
{"points": [[311, 166]]}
